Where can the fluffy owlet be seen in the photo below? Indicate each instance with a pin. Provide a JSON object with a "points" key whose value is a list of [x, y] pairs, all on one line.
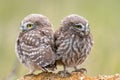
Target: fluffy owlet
{"points": [[35, 43], [73, 42]]}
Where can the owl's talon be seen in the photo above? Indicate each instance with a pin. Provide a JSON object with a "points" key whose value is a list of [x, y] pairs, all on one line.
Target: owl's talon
{"points": [[64, 74], [81, 70]]}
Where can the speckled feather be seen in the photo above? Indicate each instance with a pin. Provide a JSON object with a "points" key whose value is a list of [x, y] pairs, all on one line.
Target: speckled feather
{"points": [[71, 47], [35, 47]]}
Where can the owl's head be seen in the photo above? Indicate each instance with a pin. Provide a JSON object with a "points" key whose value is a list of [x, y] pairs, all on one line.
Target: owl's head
{"points": [[76, 24], [34, 20]]}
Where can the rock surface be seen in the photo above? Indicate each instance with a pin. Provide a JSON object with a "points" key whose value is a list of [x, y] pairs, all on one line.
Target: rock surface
{"points": [[74, 76]]}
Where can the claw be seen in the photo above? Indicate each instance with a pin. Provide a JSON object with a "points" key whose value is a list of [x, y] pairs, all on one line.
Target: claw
{"points": [[81, 70], [30, 73], [64, 73]]}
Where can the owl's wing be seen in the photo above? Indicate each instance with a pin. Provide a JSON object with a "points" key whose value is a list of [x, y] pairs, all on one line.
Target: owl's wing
{"points": [[37, 47], [57, 36]]}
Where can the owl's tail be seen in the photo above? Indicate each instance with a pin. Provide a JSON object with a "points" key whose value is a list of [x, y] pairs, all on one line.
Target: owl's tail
{"points": [[51, 67]]}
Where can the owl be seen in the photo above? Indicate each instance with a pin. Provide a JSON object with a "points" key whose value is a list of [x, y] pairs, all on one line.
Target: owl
{"points": [[35, 43], [73, 42]]}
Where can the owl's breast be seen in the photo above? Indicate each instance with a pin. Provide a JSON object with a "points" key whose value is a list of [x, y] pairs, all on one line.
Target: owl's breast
{"points": [[74, 50], [31, 39]]}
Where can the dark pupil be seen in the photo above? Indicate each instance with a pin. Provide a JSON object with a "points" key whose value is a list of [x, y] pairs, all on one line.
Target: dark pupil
{"points": [[78, 26], [29, 25]]}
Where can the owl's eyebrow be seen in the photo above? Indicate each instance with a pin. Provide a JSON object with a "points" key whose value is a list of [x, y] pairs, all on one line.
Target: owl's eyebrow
{"points": [[78, 24], [87, 24]]}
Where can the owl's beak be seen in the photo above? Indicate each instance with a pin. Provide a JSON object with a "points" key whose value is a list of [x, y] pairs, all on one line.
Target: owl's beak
{"points": [[23, 27], [86, 30]]}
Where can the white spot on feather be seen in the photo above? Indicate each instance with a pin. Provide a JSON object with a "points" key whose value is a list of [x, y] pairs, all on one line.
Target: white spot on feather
{"points": [[33, 40], [37, 43]]}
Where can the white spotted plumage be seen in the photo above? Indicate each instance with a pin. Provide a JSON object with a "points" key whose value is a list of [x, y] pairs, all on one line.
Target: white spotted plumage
{"points": [[73, 41], [34, 47]]}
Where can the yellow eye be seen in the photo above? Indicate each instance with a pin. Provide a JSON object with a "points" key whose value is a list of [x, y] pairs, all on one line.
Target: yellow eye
{"points": [[29, 26], [78, 26]]}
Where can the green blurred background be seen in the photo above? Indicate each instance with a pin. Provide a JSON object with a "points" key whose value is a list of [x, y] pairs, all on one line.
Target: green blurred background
{"points": [[103, 16]]}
